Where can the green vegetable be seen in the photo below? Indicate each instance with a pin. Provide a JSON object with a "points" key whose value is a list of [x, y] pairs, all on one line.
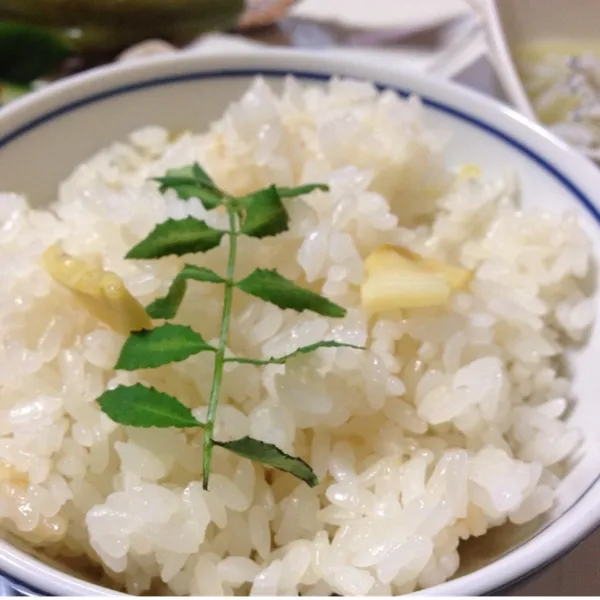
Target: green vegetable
{"points": [[192, 182], [301, 190], [199, 274], [177, 237], [257, 215], [270, 455], [109, 26], [265, 214], [271, 286], [152, 348], [140, 406], [281, 360], [27, 53], [167, 306]]}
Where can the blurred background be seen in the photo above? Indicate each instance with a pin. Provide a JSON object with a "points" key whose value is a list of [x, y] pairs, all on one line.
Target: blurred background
{"points": [[41, 40], [538, 55]]}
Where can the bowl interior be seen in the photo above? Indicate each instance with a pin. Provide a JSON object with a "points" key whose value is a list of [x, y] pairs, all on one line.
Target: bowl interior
{"points": [[43, 137], [532, 20]]}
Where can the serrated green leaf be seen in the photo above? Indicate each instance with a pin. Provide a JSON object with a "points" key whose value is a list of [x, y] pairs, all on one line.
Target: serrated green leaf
{"points": [[141, 406], [270, 286], [199, 274], [177, 237], [301, 190], [192, 181], [167, 306], [265, 214], [152, 348], [280, 360], [271, 456]]}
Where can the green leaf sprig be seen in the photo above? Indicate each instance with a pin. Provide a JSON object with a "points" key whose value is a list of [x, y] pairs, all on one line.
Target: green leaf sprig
{"points": [[256, 215]]}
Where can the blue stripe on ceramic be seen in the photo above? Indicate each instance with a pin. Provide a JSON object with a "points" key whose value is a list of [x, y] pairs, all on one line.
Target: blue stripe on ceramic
{"points": [[6, 589], [11, 587], [228, 73], [18, 588]]}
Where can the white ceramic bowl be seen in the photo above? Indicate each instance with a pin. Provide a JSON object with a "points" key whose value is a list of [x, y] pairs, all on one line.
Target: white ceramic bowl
{"points": [[44, 135], [509, 24]]}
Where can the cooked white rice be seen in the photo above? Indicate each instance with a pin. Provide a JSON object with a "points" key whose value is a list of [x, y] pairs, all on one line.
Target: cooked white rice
{"points": [[448, 425]]}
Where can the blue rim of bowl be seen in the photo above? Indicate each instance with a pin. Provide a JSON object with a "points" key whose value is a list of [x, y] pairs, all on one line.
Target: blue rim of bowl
{"points": [[14, 587], [22, 588]]}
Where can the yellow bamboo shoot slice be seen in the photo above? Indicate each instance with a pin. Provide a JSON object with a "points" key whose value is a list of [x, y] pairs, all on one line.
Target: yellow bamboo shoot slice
{"points": [[457, 278], [468, 171], [399, 278], [394, 290], [101, 292], [389, 258], [8, 474]]}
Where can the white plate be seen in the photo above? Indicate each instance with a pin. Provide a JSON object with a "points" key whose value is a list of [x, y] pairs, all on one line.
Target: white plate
{"points": [[85, 113], [439, 37], [377, 14]]}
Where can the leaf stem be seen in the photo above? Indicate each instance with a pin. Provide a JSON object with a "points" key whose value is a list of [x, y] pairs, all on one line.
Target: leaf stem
{"points": [[220, 354]]}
